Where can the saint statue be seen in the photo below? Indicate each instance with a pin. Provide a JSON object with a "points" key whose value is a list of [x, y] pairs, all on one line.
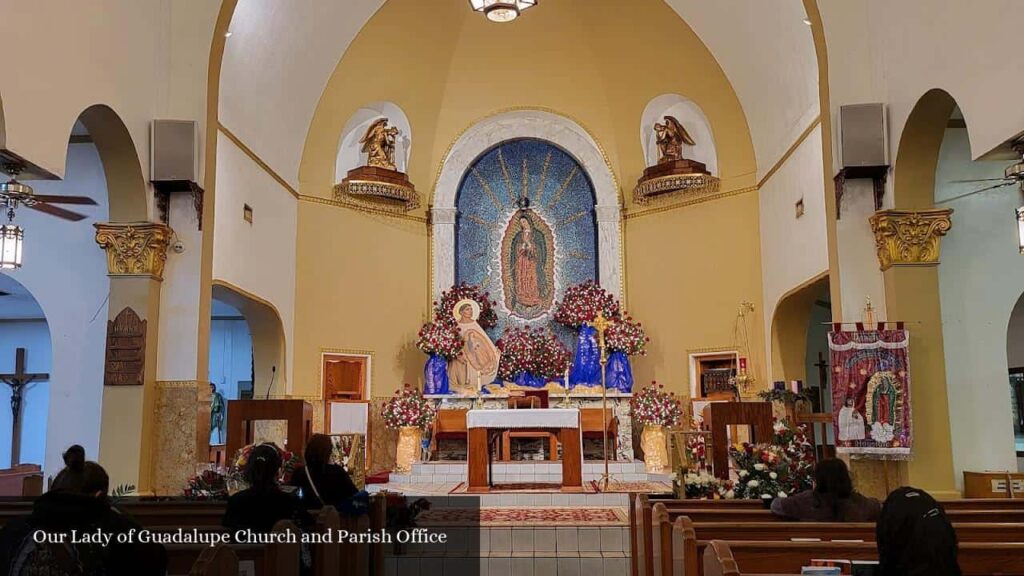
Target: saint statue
{"points": [[670, 137], [217, 410], [851, 423], [379, 144], [477, 365], [528, 261]]}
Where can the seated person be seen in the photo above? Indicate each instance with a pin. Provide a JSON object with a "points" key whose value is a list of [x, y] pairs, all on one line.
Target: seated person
{"points": [[263, 503], [833, 498], [77, 501], [321, 483], [915, 536]]}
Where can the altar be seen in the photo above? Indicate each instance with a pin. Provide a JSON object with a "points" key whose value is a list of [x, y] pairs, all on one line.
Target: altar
{"points": [[483, 423]]}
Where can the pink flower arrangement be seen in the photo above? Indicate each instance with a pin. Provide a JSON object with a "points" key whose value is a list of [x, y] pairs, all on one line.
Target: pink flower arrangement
{"points": [[654, 406], [581, 303], [443, 307], [441, 337], [534, 351], [628, 337], [408, 407]]}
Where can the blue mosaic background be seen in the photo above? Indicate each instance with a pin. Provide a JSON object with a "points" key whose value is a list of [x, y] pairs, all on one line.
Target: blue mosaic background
{"points": [[561, 194]]}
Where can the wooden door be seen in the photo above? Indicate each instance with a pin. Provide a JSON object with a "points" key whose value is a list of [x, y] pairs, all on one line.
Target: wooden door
{"points": [[344, 377]]}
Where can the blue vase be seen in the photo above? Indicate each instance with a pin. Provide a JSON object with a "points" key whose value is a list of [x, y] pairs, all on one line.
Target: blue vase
{"points": [[528, 380], [618, 374], [586, 365], [435, 375]]}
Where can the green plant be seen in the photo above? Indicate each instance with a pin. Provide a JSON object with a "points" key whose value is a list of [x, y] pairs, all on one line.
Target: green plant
{"points": [[121, 491]]}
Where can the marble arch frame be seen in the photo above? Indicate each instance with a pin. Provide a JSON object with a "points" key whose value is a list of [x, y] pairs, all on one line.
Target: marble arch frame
{"points": [[527, 123]]}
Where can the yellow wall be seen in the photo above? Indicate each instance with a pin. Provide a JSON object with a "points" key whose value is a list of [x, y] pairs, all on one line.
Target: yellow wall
{"points": [[362, 280]]}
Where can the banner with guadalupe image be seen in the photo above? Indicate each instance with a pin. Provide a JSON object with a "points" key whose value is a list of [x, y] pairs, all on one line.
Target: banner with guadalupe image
{"points": [[871, 413]]}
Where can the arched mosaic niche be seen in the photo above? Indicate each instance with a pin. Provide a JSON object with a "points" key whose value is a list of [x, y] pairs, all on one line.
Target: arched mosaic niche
{"points": [[526, 228], [529, 124]]}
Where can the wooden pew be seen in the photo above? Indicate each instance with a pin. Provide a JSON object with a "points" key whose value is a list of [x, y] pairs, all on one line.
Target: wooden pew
{"points": [[270, 560], [975, 558], [21, 480], [217, 561], [966, 532], [701, 515], [327, 557], [948, 505]]}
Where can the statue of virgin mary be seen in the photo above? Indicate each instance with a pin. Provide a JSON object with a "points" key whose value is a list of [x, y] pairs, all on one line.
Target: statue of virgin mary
{"points": [[477, 365]]}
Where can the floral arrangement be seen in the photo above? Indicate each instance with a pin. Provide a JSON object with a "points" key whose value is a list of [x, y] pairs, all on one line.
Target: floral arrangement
{"points": [[289, 461], [407, 407], [443, 307], [703, 486], [784, 395], [654, 406], [441, 337], [209, 485], [581, 303], [628, 337], [534, 351], [697, 449], [777, 470]]}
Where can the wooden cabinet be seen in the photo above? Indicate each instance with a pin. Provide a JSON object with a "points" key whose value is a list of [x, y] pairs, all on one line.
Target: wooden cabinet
{"points": [[344, 377]]}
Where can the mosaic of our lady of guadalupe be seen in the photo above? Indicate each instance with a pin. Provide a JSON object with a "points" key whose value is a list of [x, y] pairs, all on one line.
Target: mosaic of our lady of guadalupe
{"points": [[526, 230]]}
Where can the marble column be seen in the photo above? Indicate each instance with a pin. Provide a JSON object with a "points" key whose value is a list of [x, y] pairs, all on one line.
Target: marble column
{"points": [[443, 223], [609, 230]]}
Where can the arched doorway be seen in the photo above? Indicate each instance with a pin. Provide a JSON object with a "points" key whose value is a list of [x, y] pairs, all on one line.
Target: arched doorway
{"points": [[1015, 364], [231, 363], [25, 366]]}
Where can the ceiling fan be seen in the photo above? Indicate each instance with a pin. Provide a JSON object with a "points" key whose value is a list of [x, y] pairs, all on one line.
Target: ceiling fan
{"points": [[1014, 173], [14, 194]]}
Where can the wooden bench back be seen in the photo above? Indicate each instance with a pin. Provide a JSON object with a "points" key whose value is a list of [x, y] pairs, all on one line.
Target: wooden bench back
{"points": [[327, 557], [948, 505], [718, 560], [217, 561]]}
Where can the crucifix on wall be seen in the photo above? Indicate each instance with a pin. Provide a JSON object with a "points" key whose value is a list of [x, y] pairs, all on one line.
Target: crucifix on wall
{"points": [[18, 381]]}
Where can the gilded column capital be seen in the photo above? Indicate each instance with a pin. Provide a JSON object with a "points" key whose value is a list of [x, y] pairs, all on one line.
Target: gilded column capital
{"points": [[909, 237], [135, 248]]}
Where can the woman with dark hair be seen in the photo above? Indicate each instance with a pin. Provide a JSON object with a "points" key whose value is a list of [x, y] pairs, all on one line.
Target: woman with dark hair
{"points": [[320, 482], [77, 501], [833, 498], [915, 538], [263, 503]]}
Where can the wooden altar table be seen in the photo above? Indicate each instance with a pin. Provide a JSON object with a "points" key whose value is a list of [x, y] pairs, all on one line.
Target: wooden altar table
{"points": [[481, 423], [242, 413]]}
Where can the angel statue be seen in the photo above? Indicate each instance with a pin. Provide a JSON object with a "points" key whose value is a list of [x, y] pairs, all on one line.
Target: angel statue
{"points": [[379, 144], [671, 137]]}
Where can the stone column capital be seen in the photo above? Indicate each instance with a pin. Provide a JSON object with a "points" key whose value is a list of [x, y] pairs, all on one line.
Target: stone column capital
{"points": [[134, 248], [909, 237]]}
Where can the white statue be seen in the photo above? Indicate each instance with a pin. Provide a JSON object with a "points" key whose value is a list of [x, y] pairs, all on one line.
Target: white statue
{"points": [[851, 423]]}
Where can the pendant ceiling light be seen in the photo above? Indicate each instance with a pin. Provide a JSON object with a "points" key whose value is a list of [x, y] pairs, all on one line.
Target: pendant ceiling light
{"points": [[11, 238], [502, 10], [1020, 229]]}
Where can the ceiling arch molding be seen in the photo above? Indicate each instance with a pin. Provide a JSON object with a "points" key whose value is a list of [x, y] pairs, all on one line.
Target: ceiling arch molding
{"points": [[126, 186]]}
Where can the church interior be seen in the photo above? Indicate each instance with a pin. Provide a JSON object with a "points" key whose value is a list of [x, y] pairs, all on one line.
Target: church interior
{"points": [[583, 286]]}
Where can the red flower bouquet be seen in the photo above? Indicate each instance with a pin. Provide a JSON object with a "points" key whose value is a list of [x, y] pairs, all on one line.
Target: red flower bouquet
{"points": [[654, 406], [441, 338], [443, 307], [628, 337], [534, 351], [550, 356], [581, 303], [408, 407]]}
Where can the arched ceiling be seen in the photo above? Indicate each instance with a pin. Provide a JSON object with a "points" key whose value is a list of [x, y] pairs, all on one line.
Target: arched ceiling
{"points": [[280, 56]]}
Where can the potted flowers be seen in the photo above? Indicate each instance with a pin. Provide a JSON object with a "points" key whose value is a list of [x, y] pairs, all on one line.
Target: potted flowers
{"points": [[409, 413], [625, 338], [655, 409], [579, 306], [441, 341], [531, 357]]}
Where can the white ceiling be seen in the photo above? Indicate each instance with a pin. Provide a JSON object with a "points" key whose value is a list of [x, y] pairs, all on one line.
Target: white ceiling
{"points": [[18, 304], [281, 54]]}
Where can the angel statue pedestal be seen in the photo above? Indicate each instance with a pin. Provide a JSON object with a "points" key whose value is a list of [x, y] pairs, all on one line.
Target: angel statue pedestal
{"points": [[673, 173], [378, 185]]}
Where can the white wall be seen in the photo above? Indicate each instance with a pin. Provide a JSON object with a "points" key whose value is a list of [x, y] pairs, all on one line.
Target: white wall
{"points": [[66, 272], [793, 250], [34, 337], [981, 278], [859, 272], [259, 257]]}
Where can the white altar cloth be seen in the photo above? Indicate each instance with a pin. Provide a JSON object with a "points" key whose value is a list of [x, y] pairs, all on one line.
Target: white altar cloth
{"points": [[524, 418]]}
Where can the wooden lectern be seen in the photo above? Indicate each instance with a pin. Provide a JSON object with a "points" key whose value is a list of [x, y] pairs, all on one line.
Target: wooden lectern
{"points": [[757, 415], [242, 414]]}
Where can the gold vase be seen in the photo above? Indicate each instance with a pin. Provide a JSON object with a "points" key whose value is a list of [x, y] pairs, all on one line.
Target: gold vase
{"points": [[409, 438], [654, 443]]}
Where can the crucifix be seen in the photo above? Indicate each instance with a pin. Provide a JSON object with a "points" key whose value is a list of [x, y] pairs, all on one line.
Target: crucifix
{"points": [[18, 381]]}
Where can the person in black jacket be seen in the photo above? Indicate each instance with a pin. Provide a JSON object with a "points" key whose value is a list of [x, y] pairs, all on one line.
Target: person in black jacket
{"points": [[78, 501], [915, 538], [320, 482], [833, 498], [263, 503]]}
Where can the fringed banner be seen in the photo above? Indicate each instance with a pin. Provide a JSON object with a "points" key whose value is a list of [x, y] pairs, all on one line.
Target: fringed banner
{"points": [[871, 392]]}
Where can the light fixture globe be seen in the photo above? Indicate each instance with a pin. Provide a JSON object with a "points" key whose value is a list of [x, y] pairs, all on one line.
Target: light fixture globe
{"points": [[11, 238], [501, 10]]}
